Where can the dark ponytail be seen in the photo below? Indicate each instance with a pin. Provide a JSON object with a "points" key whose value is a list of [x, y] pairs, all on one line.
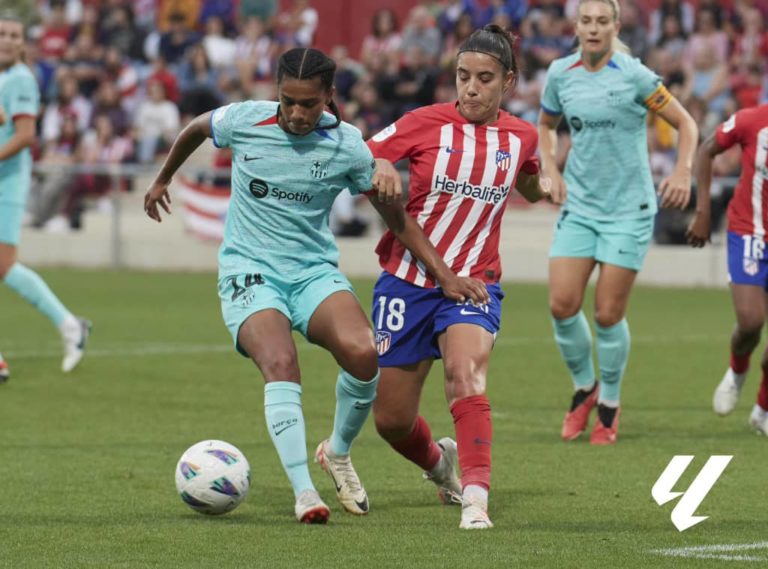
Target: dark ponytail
{"points": [[494, 41], [306, 63]]}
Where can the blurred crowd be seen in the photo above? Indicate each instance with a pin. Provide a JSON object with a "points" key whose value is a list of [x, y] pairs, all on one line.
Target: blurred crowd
{"points": [[120, 78]]}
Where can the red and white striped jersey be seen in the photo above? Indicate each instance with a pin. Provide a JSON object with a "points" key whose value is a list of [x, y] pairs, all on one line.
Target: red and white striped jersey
{"points": [[748, 209], [461, 176]]}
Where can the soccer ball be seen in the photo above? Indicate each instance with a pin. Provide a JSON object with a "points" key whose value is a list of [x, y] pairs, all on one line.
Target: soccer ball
{"points": [[213, 477]]}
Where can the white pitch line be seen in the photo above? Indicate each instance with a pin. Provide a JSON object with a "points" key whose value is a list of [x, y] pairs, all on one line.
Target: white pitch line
{"points": [[716, 551], [176, 348]]}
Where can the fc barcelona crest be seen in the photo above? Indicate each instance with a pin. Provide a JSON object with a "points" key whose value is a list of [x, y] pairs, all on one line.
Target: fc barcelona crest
{"points": [[318, 170], [503, 160], [383, 342]]}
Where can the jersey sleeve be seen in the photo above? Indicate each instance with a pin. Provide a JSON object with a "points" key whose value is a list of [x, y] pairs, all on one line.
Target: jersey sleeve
{"points": [[651, 92], [223, 124], [730, 132], [23, 97], [398, 140], [361, 171], [550, 98]]}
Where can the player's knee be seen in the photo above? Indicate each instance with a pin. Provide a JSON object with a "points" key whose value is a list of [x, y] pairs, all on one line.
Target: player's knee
{"points": [[607, 316], [5, 265], [279, 365], [463, 379], [564, 306], [391, 425], [749, 323], [358, 357]]}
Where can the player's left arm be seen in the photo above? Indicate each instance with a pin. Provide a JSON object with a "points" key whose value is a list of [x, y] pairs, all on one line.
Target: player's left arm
{"points": [[413, 238], [675, 189], [24, 137]]}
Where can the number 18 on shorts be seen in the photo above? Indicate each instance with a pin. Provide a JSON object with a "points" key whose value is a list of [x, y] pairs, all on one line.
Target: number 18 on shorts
{"points": [[407, 319]]}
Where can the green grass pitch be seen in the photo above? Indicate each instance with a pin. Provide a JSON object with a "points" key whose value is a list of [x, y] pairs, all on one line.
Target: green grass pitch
{"points": [[87, 460]]}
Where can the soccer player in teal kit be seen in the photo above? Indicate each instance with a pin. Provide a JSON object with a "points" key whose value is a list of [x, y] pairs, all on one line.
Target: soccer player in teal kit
{"points": [[604, 94], [19, 106], [278, 261]]}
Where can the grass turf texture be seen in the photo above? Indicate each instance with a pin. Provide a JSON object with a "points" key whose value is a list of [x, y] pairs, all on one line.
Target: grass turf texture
{"points": [[87, 460]]}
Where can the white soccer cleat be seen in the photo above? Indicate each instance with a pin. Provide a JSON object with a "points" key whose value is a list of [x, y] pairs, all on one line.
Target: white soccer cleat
{"points": [[74, 344], [444, 474], [310, 508], [5, 372], [474, 514], [349, 489], [758, 420], [727, 393]]}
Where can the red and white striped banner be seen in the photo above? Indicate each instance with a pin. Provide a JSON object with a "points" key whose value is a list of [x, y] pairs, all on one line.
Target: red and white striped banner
{"points": [[205, 208]]}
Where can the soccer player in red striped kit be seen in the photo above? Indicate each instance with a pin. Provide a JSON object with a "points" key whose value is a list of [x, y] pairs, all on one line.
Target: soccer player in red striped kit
{"points": [[465, 159], [747, 259]]}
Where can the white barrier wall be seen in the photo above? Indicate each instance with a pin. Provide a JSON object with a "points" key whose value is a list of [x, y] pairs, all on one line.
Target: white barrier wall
{"points": [[128, 239]]}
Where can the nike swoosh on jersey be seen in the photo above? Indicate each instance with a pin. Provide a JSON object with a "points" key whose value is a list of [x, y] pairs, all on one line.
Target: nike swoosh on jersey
{"points": [[247, 158]]}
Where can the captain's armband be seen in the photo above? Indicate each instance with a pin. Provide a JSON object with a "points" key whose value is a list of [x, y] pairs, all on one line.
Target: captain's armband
{"points": [[659, 99]]}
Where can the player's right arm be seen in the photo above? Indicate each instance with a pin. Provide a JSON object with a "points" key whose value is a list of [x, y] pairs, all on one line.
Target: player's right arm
{"points": [[193, 135], [699, 230], [726, 135], [410, 234], [23, 137]]}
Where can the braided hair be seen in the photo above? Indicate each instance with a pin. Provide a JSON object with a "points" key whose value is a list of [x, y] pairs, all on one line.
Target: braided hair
{"points": [[495, 41], [306, 63]]}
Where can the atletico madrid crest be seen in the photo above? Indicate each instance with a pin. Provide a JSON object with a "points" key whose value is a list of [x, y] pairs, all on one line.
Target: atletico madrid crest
{"points": [[503, 160], [751, 266], [383, 341]]}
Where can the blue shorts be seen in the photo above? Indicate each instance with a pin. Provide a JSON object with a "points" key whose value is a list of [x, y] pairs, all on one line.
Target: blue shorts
{"points": [[10, 222], [623, 243], [407, 319], [243, 295], [747, 263]]}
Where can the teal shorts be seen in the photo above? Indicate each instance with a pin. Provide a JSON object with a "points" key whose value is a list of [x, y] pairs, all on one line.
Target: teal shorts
{"points": [[10, 222], [623, 243], [243, 295]]}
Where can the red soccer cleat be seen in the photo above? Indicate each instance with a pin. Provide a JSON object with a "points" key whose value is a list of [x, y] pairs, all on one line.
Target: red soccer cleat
{"points": [[575, 421], [602, 435], [5, 372]]}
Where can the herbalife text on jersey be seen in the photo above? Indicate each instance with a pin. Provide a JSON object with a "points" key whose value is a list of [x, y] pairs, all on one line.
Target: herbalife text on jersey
{"points": [[489, 194]]}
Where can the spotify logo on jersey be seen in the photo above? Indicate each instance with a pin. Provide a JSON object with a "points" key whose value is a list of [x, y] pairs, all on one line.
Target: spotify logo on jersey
{"points": [[259, 188], [576, 123]]}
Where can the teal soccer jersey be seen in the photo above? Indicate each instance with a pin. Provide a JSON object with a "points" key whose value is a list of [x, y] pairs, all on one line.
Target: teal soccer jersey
{"points": [[19, 96], [283, 186], [607, 172]]}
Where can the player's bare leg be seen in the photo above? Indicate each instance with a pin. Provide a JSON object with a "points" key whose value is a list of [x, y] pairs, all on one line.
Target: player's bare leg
{"points": [[614, 286], [396, 412], [340, 326], [749, 304], [568, 277], [466, 351], [266, 337], [758, 418], [32, 288]]}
